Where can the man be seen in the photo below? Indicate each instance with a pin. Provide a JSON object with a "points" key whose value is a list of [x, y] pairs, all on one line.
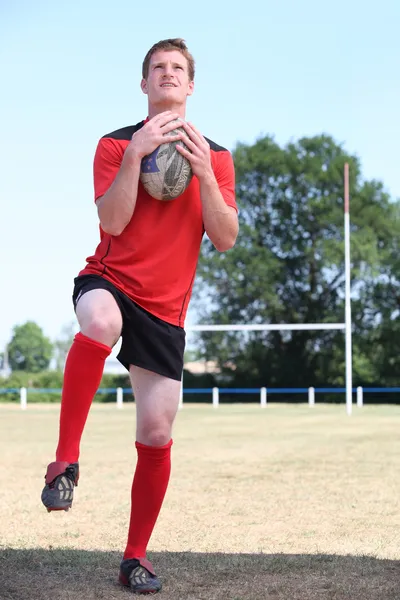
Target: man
{"points": [[138, 285]]}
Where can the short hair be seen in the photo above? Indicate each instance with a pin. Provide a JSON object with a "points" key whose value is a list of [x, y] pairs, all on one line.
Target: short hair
{"points": [[169, 45]]}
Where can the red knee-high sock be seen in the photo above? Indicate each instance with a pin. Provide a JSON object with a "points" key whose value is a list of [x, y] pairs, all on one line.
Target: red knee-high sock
{"points": [[148, 490], [82, 376]]}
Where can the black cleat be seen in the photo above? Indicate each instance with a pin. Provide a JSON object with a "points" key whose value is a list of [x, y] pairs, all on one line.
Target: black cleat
{"points": [[139, 576], [61, 478]]}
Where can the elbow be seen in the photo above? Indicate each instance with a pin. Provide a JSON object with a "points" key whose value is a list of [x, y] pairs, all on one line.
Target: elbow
{"points": [[225, 244], [108, 222], [223, 247], [112, 228], [111, 225]]}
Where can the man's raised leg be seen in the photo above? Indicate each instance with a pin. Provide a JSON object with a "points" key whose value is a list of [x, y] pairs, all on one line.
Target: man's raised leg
{"points": [[100, 321]]}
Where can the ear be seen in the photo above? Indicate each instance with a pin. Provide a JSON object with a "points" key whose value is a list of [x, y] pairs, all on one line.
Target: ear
{"points": [[190, 88], [143, 85]]}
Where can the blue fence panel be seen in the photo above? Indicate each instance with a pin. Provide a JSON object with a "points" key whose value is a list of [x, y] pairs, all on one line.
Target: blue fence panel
{"points": [[239, 390], [378, 389], [231, 391], [287, 390], [197, 390], [332, 390]]}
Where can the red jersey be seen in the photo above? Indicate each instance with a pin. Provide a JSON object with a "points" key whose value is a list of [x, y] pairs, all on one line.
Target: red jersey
{"points": [[154, 259]]}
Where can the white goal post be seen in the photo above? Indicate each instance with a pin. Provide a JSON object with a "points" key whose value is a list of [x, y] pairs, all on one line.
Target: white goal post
{"points": [[268, 327], [346, 326]]}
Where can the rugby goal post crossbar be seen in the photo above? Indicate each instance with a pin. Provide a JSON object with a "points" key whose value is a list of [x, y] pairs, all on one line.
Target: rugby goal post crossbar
{"points": [[268, 327], [346, 326]]}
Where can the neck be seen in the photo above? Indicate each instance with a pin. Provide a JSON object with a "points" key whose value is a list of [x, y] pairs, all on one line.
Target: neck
{"points": [[159, 108]]}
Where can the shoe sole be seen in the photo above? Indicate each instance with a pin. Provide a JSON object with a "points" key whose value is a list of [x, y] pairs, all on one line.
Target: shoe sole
{"points": [[122, 581]]}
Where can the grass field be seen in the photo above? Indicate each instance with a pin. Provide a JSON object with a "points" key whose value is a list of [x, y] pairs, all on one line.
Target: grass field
{"points": [[282, 503]]}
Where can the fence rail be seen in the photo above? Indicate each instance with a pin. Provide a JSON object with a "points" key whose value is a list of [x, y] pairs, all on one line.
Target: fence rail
{"points": [[215, 393]]}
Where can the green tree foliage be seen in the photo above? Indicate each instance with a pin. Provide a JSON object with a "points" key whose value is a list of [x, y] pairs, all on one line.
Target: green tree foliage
{"points": [[288, 267], [63, 343], [29, 349]]}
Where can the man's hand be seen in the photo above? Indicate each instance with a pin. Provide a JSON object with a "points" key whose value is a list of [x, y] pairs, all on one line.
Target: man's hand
{"points": [[198, 153], [151, 135]]}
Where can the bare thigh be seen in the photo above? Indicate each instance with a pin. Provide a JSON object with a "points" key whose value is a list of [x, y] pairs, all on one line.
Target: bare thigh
{"points": [[157, 402], [99, 316]]}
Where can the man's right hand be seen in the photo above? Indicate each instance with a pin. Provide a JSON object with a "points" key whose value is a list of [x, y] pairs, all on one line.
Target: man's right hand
{"points": [[151, 135]]}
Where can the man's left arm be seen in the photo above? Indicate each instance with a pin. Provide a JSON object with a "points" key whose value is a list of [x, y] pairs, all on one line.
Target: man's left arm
{"points": [[220, 220]]}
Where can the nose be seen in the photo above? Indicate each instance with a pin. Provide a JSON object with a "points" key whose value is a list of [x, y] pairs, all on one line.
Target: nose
{"points": [[168, 71]]}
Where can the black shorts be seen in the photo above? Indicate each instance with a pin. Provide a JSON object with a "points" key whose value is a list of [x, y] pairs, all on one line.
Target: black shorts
{"points": [[147, 341]]}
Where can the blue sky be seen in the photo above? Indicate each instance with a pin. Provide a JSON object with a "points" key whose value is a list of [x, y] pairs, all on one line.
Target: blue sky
{"points": [[70, 72]]}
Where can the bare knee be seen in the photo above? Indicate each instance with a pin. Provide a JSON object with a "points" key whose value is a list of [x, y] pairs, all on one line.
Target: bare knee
{"points": [[154, 434], [157, 400], [99, 317], [102, 329]]}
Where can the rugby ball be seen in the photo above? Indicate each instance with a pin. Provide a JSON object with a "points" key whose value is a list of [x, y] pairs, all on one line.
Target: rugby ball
{"points": [[165, 174]]}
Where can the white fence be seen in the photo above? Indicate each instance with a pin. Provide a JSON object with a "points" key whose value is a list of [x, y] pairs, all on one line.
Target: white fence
{"points": [[264, 396]]}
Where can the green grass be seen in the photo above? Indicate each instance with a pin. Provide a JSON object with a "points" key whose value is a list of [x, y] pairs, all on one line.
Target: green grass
{"points": [[287, 502]]}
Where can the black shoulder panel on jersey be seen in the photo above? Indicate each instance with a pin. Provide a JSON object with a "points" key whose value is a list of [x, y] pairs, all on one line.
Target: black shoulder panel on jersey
{"points": [[125, 133], [215, 147]]}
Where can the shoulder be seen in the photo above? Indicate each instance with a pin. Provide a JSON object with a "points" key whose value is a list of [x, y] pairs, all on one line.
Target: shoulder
{"points": [[111, 146], [221, 158], [125, 133], [214, 147], [219, 154]]}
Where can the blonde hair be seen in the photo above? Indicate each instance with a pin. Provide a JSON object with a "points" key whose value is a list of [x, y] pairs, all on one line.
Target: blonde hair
{"points": [[169, 45]]}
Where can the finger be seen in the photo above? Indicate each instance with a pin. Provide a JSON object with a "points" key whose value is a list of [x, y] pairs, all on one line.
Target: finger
{"points": [[186, 153], [195, 142], [160, 117], [161, 121], [168, 119], [169, 126], [194, 133], [197, 132], [189, 143], [170, 138], [191, 133]]}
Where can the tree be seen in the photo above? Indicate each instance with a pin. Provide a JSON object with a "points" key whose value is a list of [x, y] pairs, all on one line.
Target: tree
{"points": [[29, 350], [288, 265], [63, 344]]}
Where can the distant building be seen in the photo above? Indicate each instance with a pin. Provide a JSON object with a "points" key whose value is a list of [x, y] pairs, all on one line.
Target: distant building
{"points": [[113, 366], [199, 367]]}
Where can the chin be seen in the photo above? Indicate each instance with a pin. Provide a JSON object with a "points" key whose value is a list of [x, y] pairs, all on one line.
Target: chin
{"points": [[166, 99], [169, 93]]}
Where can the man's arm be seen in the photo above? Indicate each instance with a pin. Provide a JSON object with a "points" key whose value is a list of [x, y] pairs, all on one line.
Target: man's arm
{"points": [[115, 208], [220, 220]]}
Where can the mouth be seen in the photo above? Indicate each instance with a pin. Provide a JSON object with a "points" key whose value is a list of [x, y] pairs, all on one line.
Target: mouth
{"points": [[168, 85]]}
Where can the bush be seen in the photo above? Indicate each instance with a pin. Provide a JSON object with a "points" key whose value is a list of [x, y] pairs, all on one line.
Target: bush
{"points": [[52, 381]]}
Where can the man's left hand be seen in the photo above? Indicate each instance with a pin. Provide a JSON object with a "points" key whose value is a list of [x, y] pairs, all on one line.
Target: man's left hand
{"points": [[197, 151]]}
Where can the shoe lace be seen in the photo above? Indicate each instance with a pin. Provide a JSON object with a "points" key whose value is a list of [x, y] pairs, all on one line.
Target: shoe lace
{"points": [[69, 472]]}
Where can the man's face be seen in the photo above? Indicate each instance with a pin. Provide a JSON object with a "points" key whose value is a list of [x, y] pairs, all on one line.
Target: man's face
{"points": [[168, 79]]}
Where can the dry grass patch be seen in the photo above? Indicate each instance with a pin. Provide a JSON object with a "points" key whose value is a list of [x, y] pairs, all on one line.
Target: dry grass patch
{"points": [[284, 503]]}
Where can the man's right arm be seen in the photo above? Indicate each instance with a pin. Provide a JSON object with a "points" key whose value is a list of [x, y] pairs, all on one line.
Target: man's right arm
{"points": [[115, 208]]}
